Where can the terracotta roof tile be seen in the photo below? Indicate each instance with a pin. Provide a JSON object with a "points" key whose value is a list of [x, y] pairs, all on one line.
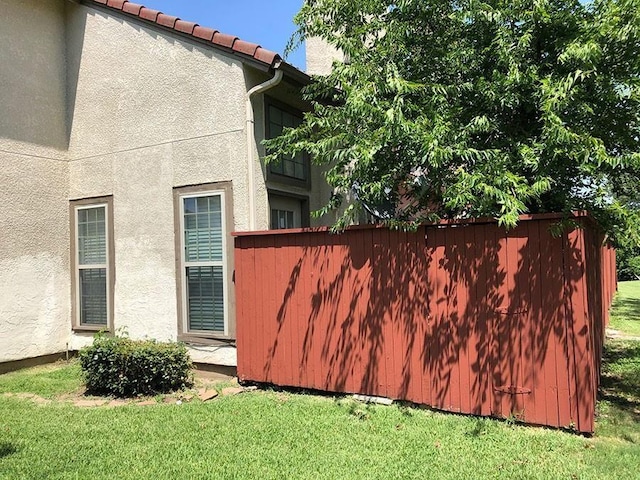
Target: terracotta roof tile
{"points": [[247, 48], [222, 40], [185, 27], [266, 56], [116, 4], [148, 14], [132, 8], [204, 33], [166, 20]]}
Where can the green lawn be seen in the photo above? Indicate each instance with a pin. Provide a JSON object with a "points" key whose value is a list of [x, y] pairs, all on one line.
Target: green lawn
{"points": [[625, 315], [47, 381], [271, 435], [274, 435]]}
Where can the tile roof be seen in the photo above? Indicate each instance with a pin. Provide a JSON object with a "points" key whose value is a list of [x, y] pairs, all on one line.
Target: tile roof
{"points": [[229, 43]]}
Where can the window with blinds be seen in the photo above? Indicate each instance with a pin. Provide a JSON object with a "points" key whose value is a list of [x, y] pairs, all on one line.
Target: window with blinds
{"points": [[203, 268], [91, 264]]}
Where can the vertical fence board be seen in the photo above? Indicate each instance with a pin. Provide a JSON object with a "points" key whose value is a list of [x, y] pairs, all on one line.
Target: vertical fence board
{"points": [[483, 370], [465, 323], [573, 263], [556, 295], [305, 287], [535, 330], [417, 318], [526, 335], [244, 336], [438, 353]]}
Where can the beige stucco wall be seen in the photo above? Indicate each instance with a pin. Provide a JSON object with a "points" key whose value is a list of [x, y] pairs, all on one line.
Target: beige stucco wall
{"points": [[320, 57], [34, 232], [33, 78], [34, 267]]}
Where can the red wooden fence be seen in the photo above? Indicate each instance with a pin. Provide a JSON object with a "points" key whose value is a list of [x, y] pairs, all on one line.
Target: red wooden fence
{"points": [[465, 318]]}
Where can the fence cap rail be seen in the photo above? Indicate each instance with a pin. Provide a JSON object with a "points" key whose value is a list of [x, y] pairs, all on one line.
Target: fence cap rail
{"points": [[441, 223]]}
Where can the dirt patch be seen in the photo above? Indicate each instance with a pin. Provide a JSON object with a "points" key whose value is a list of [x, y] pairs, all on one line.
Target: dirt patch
{"points": [[29, 396], [90, 403]]}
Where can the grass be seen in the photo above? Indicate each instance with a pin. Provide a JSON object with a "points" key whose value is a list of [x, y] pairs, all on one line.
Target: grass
{"points": [[47, 381], [276, 435], [625, 315], [282, 435], [619, 402], [271, 435]]}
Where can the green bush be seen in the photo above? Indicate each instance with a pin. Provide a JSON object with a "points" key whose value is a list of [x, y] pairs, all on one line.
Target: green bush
{"points": [[116, 365]]}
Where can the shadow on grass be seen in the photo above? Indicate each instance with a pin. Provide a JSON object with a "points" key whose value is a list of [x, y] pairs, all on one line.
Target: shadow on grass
{"points": [[6, 449], [631, 307], [620, 380]]}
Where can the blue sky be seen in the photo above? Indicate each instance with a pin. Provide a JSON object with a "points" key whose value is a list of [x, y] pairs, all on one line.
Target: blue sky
{"points": [[267, 22]]}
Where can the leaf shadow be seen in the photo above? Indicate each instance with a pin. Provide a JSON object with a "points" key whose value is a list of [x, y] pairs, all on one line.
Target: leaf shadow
{"points": [[7, 448]]}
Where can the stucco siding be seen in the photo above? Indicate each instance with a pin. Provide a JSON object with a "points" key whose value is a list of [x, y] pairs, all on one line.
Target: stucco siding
{"points": [[320, 56], [137, 88], [144, 244], [34, 257], [33, 77], [34, 240]]}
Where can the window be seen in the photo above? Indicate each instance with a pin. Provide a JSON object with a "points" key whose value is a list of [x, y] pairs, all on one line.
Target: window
{"points": [[294, 170], [288, 211], [281, 219], [204, 302], [92, 261]]}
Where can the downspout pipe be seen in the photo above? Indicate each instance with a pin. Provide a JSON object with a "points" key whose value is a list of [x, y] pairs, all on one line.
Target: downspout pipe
{"points": [[251, 141]]}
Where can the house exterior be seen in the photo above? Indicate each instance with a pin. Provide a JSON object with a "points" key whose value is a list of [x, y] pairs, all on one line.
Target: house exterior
{"points": [[130, 145]]}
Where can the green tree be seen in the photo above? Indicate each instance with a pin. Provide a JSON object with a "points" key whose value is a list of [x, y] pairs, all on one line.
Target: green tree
{"points": [[628, 248], [628, 262], [454, 109]]}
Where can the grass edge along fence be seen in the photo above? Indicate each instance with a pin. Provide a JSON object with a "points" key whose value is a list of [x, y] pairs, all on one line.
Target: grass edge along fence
{"points": [[463, 317]]}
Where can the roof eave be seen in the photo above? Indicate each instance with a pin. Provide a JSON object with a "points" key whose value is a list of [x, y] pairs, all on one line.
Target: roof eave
{"points": [[294, 74]]}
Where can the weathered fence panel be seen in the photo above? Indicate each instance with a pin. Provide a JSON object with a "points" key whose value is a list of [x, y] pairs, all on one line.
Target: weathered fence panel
{"points": [[462, 317]]}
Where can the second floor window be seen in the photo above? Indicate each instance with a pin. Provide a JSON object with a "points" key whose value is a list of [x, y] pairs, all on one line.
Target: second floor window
{"points": [[296, 168]]}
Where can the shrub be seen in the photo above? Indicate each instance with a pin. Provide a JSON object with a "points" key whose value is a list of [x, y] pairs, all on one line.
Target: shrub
{"points": [[116, 365]]}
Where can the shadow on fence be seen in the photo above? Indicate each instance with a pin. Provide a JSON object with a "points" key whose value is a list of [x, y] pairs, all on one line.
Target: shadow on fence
{"points": [[465, 318]]}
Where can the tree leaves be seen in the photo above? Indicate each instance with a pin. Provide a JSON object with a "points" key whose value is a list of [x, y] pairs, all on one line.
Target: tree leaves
{"points": [[476, 108]]}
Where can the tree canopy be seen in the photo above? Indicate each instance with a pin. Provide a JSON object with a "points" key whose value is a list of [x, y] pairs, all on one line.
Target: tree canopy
{"points": [[456, 109]]}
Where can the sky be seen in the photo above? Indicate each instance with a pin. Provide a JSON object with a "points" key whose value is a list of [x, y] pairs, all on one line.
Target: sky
{"points": [[266, 22]]}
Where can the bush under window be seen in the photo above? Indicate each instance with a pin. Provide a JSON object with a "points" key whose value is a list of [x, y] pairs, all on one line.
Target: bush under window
{"points": [[119, 366]]}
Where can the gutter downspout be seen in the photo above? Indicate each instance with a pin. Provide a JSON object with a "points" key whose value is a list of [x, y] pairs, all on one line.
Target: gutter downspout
{"points": [[251, 141]]}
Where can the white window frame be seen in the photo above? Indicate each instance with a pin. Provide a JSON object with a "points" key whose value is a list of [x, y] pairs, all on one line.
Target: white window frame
{"points": [[214, 263], [76, 207]]}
